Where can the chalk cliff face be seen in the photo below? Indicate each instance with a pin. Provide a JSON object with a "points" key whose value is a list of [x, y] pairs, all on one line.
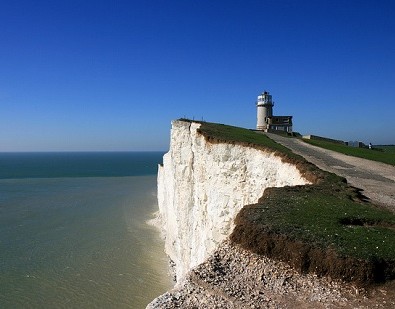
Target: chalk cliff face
{"points": [[203, 185]]}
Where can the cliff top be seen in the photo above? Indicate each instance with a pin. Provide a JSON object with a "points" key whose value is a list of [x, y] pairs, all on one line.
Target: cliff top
{"points": [[328, 228], [221, 133]]}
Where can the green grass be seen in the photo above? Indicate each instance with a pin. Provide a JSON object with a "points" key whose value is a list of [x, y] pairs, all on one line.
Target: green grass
{"points": [[226, 133], [386, 148], [386, 155], [323, 219]]}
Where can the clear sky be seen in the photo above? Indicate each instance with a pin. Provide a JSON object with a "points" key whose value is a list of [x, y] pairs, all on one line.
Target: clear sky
{"points": [[111, 75]]}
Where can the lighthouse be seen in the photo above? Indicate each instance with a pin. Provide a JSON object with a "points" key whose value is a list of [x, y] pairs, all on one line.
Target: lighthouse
{"points": [[264, 110], [266, 121]]}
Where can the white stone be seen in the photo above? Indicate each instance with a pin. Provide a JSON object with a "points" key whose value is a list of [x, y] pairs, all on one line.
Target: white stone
{"points": [[202, 186]]}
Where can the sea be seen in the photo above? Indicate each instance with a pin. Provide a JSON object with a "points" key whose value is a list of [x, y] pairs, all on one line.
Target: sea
{"points": [[74, 232]]}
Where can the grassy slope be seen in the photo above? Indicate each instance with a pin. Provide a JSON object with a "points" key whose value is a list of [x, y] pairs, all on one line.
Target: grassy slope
{"points": [[386, 148], [386, 155], [228, 133], [329, 214], [329, 218]]}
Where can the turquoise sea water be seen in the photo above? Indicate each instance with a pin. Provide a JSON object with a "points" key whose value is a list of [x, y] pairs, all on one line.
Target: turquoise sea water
{"points": [[73, 231]]}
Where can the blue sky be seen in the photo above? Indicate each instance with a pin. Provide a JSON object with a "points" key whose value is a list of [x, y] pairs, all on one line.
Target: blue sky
{"points": [[111, 75]]}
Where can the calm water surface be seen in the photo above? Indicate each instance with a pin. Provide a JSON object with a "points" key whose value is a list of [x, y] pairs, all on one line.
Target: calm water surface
{"points": [[80, 242]]}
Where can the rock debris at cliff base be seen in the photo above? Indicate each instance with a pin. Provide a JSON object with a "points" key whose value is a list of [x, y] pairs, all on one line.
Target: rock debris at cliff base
{"points": [[236, 278]]}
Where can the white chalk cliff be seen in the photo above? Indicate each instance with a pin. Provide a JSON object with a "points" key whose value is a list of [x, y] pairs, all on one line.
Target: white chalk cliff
{"points": [[202, 186]]}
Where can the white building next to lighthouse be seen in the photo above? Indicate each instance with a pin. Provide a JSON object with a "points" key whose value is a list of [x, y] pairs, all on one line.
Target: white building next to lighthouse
{"points": [[266, 121]]}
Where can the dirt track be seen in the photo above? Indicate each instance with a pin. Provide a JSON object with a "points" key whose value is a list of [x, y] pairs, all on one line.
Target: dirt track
{"points": [[375, 178]]}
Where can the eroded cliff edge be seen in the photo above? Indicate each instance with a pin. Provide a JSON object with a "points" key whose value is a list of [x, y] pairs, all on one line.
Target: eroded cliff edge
{"points": [[212, 172], [203, 185]]}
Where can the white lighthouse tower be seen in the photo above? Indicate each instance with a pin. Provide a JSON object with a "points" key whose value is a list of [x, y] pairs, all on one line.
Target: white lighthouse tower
{"points": [[264, 106]]}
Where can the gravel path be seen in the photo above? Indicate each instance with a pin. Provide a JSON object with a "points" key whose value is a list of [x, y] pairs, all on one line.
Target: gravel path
{"points": [[375, 178]]}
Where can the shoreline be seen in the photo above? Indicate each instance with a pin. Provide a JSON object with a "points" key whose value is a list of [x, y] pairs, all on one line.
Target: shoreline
{"points": [[156, 223]]}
